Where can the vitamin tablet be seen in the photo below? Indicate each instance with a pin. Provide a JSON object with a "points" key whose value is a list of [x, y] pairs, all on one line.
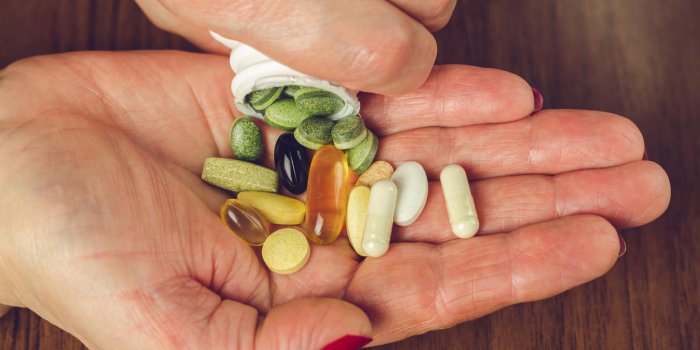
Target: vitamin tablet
{"points": [[379, 170], [412, 184], [291, 90], [246, 222], [292, 163], [317, 102], [285, 115], [380, 218], [261, 99], [349, 132], [278, 209], [286, 251], [314, 132], [246, 140], [361, 156], [357, 213], [326, 195], [459, 201], [238, 176]]}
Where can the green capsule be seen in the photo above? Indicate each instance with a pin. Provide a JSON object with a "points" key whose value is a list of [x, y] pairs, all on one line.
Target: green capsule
{"points": [[291, 90], [261, 99], [314, 132], [246, 140], [361, 156], [318, 102], [349, 132], [285, 115]]}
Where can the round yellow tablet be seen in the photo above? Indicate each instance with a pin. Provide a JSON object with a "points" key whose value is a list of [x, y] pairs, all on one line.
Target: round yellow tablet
{"points": [[286, 251]]}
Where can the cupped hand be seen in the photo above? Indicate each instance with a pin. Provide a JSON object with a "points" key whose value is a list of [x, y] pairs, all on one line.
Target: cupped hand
{"points": [[109, 233], [383, 46]]}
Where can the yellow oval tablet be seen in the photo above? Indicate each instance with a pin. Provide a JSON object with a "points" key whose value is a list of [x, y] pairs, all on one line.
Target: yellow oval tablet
{"points": [[286, 251], [355, 219], [278, 209]]}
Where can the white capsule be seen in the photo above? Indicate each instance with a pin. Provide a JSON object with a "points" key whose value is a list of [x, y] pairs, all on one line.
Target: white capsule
{"points": [[459, 201], [412, 183], [380, 218]]}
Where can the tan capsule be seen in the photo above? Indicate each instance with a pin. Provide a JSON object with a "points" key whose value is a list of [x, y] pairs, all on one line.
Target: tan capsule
{"points": [[380, 218], [355, 218], [459, 201]]}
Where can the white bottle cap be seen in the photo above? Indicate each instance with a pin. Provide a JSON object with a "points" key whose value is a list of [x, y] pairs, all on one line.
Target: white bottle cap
{"points": [[256, 71]]}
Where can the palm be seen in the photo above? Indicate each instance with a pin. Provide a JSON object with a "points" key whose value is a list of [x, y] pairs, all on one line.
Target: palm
{"points": [[132, 131]]}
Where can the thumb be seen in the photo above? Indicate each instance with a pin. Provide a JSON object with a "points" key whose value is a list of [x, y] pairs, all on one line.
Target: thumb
{"points": [[314, 324]]}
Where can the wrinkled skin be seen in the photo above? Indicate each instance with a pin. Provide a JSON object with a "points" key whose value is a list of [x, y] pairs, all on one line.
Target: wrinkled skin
{"points": [[109, 233]]}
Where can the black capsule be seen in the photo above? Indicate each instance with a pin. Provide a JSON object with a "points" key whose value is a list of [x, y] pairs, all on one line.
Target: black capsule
{"points": [[292, 163]]}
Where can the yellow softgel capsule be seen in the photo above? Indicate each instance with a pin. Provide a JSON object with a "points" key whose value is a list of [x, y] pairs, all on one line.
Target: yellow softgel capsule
{"points": [[246, 222], [286, 251], [278, 209], [326, 195], [459, 201], [355, 219]]}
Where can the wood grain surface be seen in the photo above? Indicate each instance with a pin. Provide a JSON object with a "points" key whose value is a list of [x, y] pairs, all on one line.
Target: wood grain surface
{"points": [[637, 58]]}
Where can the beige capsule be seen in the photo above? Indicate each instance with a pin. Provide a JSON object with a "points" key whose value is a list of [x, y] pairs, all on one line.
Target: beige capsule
{"points": [[355, 218], [380, 218], [459, 201]]}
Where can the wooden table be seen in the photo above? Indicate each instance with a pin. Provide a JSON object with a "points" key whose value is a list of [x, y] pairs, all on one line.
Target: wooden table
{"points": [[637, 58]]}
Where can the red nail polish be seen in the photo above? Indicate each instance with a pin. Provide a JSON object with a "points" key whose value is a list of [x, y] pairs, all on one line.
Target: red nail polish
{"points": [[645, 156], [539, 101], [348, 342], [623, 246]]}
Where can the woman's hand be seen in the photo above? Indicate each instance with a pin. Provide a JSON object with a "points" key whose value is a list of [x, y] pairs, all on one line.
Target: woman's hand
{"points": [[109, 233], [383, 46]]}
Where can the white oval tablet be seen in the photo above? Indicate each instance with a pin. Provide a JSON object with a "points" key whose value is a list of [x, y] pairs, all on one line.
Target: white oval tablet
{"points": [[412, 184]]}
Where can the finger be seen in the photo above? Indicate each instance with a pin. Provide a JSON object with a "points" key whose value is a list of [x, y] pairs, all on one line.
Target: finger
{"points": [[4, 310], [363, 45], [551, 142], [433, 14], [311, 324], [420, 287], [629, 195], [453, 95]]}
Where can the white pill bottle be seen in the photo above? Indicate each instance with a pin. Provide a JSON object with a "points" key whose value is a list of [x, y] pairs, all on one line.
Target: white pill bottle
{"points": [[256, 71]]}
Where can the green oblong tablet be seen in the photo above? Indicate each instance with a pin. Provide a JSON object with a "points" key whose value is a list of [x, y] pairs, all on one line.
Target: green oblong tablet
{"points": [[263, 98], [285, 115], [318, 102], [238, 176], [361, 156], [314, 132], [349, 132], [246, 140]]}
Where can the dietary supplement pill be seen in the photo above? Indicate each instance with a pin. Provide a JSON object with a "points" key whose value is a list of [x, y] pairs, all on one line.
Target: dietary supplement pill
{"points": [[348, 132], [326, 195], [238, 176], [380, 218], [285, 115], [379, 170], [314, 132], [317, 102], [412, 184], [459, 201], [277, 209], [244, 221], [361, 156], [292, 163], [246, 140], [291, 90], [261, 99], [357, 213], [286, 251]]}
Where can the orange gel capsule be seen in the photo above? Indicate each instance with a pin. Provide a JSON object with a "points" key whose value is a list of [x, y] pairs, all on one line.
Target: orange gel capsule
{"points": [[326, 195], [246, 222]]}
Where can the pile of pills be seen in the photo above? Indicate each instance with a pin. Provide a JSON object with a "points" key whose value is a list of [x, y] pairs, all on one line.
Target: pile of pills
{"points": [[368, 209]]}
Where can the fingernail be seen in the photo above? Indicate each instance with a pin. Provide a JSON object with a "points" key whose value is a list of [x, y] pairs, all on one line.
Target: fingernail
{"points": [[539, 101], [623, 246], [348, 342], [645, 156]]}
